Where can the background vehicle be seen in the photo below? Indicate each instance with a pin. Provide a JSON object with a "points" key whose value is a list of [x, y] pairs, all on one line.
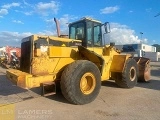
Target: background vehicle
{"points": [[79, 62], [11, 57]]}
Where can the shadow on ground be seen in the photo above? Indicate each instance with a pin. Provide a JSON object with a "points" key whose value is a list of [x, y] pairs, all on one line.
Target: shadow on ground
{"points": [[59, 98], [110, 83], [7, 88], [152, 84], [56, 97], [155, 72], [10, 93]]}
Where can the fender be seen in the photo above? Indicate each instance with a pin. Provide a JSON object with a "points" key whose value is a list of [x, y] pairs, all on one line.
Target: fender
{"points": [[118, 63]]}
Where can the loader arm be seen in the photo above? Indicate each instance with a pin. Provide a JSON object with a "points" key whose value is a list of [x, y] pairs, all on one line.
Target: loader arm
{"points": [[92, 56]]}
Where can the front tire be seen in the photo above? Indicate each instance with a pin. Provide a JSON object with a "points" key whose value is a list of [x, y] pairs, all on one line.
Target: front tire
{"points": [[128, 79], [81, 82]]}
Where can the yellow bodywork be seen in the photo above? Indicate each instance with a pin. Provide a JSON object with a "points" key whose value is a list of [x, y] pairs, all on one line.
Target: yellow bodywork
{"points": [[49, 61]]}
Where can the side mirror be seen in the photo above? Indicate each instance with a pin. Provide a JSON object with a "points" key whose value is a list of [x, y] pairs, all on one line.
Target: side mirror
{"points": [[107, 27]]}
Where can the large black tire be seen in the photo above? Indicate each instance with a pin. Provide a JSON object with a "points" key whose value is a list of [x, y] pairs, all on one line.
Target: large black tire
{"points": [[128, 79], [81, 82]]}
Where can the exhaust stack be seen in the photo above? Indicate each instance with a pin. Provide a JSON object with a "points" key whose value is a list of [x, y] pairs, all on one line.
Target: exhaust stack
{"points": [[57, 27]]}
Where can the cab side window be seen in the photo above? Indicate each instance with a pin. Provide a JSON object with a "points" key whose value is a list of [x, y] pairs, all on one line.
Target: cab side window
{"points": [[89, 34], [97, 35]]}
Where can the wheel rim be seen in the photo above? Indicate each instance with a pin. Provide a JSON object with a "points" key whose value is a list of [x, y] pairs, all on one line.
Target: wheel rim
{"points": [[132, 73], [87, 83]]}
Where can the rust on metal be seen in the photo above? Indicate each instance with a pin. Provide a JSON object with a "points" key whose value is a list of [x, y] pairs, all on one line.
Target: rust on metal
{"points": [[42, 65], [144, 68]]}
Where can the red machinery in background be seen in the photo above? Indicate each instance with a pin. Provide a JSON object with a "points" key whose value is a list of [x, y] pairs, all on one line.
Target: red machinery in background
{"points": [[12, 57]]}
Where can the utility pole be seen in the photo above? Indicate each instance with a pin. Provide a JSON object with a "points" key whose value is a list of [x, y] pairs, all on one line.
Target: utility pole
{"points": [[141, 34]]}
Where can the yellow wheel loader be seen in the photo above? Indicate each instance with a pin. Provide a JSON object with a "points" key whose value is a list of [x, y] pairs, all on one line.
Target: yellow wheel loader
{"points": [[79, 62]]}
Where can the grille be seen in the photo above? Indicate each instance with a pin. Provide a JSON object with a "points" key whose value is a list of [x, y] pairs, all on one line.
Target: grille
{"points": [[26, 50]]}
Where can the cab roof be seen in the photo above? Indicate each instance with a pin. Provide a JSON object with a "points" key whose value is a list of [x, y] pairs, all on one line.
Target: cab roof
{"points": [[86, 19]]}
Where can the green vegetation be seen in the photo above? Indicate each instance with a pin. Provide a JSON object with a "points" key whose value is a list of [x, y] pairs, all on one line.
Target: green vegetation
{"points": [[157, 47]]}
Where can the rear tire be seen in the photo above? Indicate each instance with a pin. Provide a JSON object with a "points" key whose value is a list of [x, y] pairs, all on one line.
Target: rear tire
{"points": [[81, 82], [128, 79]]}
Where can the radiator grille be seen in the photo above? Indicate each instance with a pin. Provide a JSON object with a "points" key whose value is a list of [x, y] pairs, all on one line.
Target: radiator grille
{"points": [[26, 53]]}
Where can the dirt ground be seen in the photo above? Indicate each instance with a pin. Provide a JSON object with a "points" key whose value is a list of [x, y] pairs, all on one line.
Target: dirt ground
{"points": [[113, 103]]}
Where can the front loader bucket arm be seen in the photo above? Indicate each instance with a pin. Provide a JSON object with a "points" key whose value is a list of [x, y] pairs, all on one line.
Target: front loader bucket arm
{"points": [[144, 68], [92, 56]]}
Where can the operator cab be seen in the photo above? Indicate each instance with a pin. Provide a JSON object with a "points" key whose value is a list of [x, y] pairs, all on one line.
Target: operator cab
{"points": [[87, 30]]}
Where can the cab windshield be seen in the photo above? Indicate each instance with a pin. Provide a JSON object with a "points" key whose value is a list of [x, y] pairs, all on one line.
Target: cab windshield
{"points": [[89, 32], [93, 34]]}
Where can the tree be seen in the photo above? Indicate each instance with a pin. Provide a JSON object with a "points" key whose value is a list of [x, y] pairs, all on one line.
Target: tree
{"points": [[157, 47]]}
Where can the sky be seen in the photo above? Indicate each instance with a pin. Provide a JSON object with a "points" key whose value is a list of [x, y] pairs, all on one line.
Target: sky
{"points": [[131, 21]]}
